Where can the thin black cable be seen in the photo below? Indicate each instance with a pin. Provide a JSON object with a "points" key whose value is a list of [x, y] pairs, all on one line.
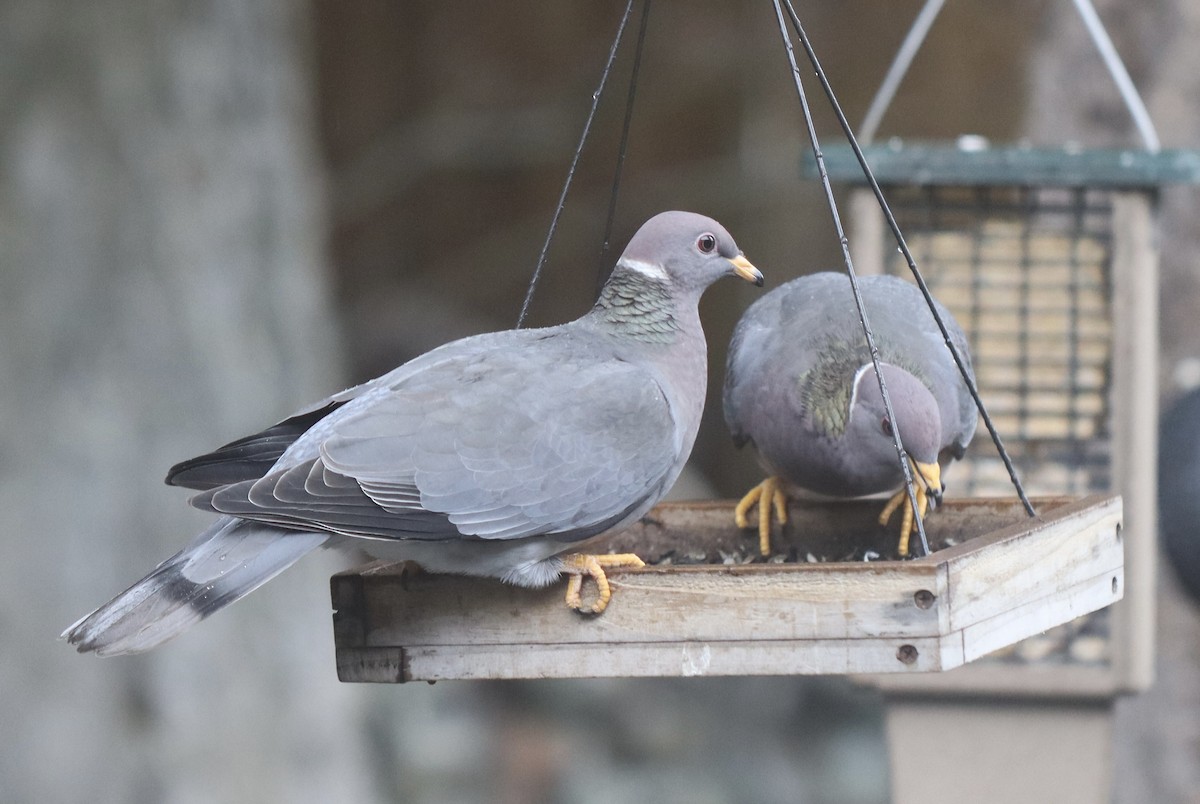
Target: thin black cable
{"points": [[562, 198], [912, 265], [858, 300], [602, 271]]}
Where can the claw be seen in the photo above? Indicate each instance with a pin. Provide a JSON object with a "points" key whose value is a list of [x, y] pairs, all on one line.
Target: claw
{"points": [[578, 565], [928, 487], [769, 496]]}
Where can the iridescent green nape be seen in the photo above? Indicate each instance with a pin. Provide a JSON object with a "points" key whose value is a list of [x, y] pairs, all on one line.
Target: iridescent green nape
{"points": [[825, 389]]}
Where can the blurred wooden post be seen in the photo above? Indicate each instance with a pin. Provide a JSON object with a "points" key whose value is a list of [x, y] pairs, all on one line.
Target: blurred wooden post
{"points": [[1135, 436], [986, 750]]}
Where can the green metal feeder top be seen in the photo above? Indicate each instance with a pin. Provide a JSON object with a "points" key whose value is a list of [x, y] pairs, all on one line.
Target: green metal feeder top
{"points": [[973, 162]]}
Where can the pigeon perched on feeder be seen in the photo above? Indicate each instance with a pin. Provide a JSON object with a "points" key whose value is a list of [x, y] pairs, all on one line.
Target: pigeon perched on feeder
{"points": [[497, 455], [800, 386]]}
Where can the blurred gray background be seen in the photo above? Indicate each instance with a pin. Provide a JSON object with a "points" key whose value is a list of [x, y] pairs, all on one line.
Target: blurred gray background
{"points": [[212, 212]]}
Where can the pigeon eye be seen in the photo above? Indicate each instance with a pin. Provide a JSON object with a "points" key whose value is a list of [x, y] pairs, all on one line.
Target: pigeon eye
{"points": [[707, 243], [886, 424]]}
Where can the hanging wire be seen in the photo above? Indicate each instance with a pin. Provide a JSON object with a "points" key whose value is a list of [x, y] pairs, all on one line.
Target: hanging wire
{"points": [[1095, 28], [602, 271], [912, 265], [562, 198], [900, 64], [858, 299], [1120, 76]]}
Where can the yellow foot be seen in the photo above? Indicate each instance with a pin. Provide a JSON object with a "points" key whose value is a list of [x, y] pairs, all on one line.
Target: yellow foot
{"points": [[578, 565], [769, 495], [926, 477]]}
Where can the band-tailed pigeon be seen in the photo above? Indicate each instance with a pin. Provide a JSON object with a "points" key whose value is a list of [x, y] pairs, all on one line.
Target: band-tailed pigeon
{"points": [[800, 386], [497, 455]]}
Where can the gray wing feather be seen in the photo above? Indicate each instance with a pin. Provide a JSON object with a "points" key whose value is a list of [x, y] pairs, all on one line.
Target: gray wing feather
{"points": [[247, 458], [251, 457], [471, 446]]}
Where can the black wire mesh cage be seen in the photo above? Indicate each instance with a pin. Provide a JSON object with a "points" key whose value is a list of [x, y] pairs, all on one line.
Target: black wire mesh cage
{"points": [[1048, 260], [1026, 271]]}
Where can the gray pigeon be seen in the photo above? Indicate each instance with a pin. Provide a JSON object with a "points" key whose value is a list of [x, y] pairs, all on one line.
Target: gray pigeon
{"points": [[489, 456], [800, 386]]}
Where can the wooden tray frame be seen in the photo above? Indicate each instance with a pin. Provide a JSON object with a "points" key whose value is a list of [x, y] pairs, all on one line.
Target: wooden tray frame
{"points": [[1005, 577]]}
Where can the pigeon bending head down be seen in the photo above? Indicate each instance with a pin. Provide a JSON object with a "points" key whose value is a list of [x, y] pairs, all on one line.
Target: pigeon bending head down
{"points": [[497, 455], [801, 387]]}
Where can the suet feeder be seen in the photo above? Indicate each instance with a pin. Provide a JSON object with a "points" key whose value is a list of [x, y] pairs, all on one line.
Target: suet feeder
{"points": [[1048, 258]]}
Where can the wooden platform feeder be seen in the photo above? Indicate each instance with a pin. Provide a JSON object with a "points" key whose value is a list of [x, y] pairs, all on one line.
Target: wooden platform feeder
{"points": [[709, 605], [1048, 260]]}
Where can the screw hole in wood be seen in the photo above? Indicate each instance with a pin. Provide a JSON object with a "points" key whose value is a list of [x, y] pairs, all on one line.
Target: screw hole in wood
{"points": [[924, 598]]}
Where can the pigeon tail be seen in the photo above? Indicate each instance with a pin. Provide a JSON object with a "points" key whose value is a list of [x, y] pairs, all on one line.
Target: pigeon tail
{"points": [[223, 564]]}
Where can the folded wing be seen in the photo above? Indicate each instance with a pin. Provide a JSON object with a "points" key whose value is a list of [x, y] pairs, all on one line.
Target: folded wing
{"points": [[490, 445]]}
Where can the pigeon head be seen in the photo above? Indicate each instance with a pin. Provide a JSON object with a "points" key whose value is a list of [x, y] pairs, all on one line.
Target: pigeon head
{"points": [[686, 251], [869, 429]]}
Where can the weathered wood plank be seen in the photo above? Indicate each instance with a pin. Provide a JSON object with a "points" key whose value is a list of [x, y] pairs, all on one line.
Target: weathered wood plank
{"points": [[1035, 616], [1135, 410], [640, 660], [810, 601], [1048, 558]]}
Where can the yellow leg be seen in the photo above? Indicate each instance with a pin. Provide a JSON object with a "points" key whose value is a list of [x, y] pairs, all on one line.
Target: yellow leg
{"points": [[578, 565], [769, 496], [925, 476]]}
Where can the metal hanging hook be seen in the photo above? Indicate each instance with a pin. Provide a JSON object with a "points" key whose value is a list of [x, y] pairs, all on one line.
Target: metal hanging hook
{"points": [[1096, 30]]}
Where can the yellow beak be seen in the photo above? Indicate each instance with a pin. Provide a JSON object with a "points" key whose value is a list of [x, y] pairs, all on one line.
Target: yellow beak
{"points": [[931, 473], [744, 269]]}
